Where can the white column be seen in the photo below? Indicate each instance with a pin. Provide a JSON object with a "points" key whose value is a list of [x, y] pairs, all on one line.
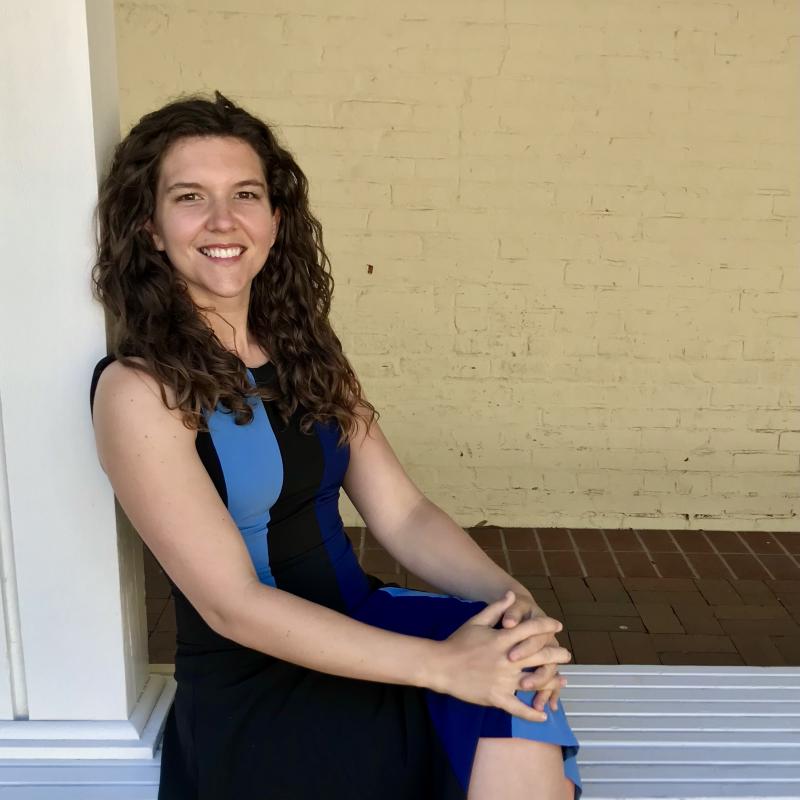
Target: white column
{"points": [[74, 677]]}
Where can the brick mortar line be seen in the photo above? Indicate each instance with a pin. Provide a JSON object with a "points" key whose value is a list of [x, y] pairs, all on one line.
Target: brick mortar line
{"points": [[577, 553], [362, 542], [647, 553], [504, 548], [160, 615], [755, 555], [613, 554], [795, 560], [721, 555], [541, 552], [685, 557], [358, 543]]}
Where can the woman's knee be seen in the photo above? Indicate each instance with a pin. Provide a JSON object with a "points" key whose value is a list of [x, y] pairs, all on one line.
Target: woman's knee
{"points": [[511, 768]]}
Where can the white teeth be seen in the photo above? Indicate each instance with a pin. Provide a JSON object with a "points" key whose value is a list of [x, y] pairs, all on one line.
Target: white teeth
{"points": [[222, 252]]}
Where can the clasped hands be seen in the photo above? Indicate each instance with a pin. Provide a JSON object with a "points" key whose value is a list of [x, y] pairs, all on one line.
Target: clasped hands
{"points": [[545, 680], [508, 646]]}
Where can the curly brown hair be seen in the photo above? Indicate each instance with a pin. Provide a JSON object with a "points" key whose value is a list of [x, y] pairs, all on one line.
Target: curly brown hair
{"points": [[155, 319]]}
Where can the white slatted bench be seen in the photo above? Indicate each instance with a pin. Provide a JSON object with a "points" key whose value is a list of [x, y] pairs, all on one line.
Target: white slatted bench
{"points": [[679, 733], [686, 732]]}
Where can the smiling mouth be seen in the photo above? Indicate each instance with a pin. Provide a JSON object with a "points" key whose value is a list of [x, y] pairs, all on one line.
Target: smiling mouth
{"points": [[222, 255]]}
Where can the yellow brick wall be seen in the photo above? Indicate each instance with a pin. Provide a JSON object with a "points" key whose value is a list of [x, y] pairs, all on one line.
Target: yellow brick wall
{"points": [[582, 219]]}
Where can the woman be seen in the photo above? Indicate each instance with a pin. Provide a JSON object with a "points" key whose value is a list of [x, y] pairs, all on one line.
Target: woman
{"points": [[227, 419]]}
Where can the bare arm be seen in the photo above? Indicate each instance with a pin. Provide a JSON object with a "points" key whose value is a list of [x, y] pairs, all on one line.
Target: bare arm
{"points": [[419, 534], [306, 633], [437, 549]]}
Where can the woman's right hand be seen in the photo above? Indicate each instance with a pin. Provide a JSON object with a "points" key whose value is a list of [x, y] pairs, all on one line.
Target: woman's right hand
{"points": [[473, 664]]}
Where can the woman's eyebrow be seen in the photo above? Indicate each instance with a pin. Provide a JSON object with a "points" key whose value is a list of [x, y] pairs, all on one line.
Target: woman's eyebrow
{"points": [[185, 185]]}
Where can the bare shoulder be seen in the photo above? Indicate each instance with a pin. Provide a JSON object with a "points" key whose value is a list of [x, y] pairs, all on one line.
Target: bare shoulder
{"points": [[128, 403], [121, 381], [365, 425]]}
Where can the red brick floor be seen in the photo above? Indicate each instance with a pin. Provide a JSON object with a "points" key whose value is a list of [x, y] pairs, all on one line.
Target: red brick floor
{"points": [[624, 596]]}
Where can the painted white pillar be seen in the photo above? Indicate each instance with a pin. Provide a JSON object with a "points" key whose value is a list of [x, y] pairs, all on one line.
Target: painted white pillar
{"points": [[74, 678]]}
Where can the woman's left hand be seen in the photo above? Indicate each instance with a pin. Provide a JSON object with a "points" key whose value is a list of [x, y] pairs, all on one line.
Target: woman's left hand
{"points": [[545, 679]]}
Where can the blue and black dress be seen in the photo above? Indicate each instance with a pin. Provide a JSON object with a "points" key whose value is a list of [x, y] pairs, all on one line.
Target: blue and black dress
{"points": [[247, 726]]}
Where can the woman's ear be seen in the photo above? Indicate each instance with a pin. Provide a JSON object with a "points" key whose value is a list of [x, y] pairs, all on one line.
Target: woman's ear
{"points": [[158, 242]]}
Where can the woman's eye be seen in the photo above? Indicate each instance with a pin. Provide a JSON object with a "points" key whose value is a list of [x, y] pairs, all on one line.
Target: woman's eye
{"points": [[192, 195]]}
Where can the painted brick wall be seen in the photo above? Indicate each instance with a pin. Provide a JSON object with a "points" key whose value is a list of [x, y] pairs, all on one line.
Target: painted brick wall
{"points": [[582, 222]]}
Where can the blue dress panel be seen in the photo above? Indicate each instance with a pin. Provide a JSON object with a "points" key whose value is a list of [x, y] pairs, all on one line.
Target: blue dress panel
{"points": [[247, 726]]}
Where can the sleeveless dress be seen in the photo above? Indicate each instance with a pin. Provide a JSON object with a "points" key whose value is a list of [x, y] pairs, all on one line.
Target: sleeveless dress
{"points": [[247, 726]]}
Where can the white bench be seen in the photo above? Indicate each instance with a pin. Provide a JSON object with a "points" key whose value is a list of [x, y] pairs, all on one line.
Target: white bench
{"points": [[681, 733], [686, 732]]}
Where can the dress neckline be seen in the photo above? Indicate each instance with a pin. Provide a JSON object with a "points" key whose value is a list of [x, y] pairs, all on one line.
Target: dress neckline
{"points": [[257, 366], [260, 367]]}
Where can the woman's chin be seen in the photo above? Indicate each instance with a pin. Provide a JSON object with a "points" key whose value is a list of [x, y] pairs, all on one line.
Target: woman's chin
{"points": [[225, 291]]}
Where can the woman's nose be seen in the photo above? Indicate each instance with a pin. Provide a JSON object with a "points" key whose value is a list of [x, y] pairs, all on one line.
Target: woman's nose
{"points": [[219, 215]]}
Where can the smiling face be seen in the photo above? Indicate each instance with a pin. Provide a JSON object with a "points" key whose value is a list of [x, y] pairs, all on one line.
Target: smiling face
{"points": [[213, 218]]}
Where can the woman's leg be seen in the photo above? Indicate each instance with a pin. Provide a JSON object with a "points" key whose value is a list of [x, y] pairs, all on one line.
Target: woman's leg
{"points": [[518, 769]]}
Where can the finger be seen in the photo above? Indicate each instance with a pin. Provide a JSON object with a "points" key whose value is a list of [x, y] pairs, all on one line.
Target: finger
{"points": [[541, 686], [536, 626], [562, 682], [547, 655], [550, 691], [541, 698], [519, 611], [540, 677], [517, 708], [555, 688], [554, 695], [494, 611], [554, 684], [529, 646], [512, 616]]}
